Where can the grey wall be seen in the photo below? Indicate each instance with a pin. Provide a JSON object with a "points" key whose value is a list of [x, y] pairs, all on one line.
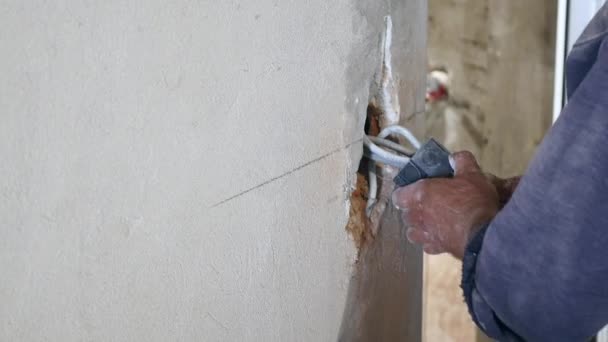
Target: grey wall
{"points": [[179, 170]]}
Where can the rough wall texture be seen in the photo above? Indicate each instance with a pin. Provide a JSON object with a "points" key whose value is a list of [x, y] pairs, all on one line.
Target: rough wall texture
{"points": [[178, 170], [384, 300], [500, 56]]}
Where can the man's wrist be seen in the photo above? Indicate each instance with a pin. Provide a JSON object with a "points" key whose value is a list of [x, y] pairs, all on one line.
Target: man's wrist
{"points": [[506, 188], [468, 240]]}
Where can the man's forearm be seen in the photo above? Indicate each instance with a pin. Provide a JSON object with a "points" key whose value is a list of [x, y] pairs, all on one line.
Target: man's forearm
{"points": [[539, 272]]}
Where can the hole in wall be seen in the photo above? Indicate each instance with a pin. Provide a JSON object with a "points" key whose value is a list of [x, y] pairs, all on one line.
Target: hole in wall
{"points": [[359, 225]]}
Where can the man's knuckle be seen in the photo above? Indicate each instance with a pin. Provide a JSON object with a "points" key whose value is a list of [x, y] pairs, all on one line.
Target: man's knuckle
{"points": [[421, 191]]}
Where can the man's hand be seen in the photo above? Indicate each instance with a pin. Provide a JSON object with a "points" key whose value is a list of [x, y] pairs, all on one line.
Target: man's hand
{"points": [[442, 213], [504, 186]]}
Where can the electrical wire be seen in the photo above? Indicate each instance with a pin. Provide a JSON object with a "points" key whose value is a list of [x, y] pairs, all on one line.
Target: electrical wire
{"points": [[402, 131], [385, 143], [372, 186], [376, 153], [379, 149]]}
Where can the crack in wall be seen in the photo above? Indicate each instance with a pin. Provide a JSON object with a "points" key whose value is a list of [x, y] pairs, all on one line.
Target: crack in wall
{"points": [[298, 168]]}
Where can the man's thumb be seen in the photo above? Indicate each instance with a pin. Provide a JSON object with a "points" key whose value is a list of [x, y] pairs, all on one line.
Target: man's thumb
{"points": [[464, 162]]}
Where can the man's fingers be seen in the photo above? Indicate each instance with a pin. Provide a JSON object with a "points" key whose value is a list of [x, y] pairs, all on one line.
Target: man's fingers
{"points": [[464, 162], [409, 196], [432, 249], [403, 197], [418, 236], [421, 237]]}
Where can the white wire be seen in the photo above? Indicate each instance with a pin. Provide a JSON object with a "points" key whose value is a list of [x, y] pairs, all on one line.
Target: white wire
{"points": [[391, 145], [376, 153], [402, 131], [372, 187]]}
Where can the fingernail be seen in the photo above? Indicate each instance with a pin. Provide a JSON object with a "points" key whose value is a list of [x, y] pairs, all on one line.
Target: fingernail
{"points": [[408, 234]]}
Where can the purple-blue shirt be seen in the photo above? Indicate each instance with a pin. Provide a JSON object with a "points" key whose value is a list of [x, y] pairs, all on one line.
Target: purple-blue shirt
{"points": [[539, 270]]}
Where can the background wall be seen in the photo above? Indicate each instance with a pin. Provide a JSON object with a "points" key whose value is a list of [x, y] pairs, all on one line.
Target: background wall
{"points": [[179, 170], [500, 57]]}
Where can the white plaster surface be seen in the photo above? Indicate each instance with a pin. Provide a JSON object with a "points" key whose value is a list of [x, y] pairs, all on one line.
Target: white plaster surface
{"points": [[178, 170]]}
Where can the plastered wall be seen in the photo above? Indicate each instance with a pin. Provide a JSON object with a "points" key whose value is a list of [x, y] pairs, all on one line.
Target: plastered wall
{"points": [[179, 170]]}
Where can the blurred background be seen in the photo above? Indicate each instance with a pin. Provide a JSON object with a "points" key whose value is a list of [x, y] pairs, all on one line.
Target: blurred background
{"points": [[495, 84]]}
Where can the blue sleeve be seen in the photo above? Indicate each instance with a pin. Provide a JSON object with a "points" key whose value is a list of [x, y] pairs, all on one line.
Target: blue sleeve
{"points": [[539, 270]]}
